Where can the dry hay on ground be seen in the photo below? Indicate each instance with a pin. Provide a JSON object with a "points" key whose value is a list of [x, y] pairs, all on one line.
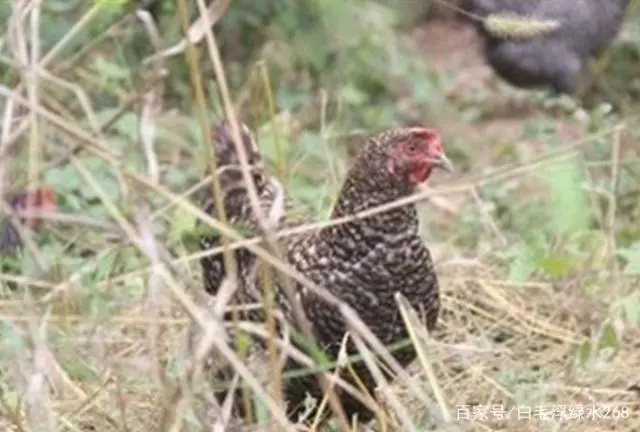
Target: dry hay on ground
{"points": [[501, 346], [498, 344]]}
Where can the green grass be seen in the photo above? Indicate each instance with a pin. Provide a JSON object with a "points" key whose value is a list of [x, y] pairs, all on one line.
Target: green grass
{"points": [[536, 234]]}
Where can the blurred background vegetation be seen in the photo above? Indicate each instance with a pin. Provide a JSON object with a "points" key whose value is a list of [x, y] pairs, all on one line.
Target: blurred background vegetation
{"points": [[548, 188], [334, 70]]}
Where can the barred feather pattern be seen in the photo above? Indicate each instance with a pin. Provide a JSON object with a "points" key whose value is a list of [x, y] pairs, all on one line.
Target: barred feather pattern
{"points": [[241, 217], [279, 211], [364, 262]]}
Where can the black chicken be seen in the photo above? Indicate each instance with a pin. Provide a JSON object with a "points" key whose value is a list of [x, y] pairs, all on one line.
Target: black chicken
{"points": [[553, 58]]}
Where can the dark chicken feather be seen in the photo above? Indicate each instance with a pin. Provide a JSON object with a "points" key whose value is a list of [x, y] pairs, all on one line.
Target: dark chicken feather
{"points": [[364, 262], [556, 58], [41, 199], [10, 240], [235, 199]]}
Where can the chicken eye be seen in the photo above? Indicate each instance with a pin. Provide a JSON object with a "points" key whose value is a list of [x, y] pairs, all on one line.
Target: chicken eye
{"points": [[410, 148]]}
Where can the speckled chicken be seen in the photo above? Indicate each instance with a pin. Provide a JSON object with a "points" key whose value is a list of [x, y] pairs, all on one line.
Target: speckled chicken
{"points": [[363, 262], [555, 58], [275, 206]]}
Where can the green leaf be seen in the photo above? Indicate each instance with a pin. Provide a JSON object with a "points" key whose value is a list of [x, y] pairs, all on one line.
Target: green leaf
{"points": [[584, 352], [127, 125], [243, 344], [110, 70], [97, 304], [105, 267], [630, 306], [112, 3], [63, 179], [352, 95], [608, 338], [556, 266], [176, 176], [11, 338], [522, 265], [632, 255], [67, 179], [101, 171], [9, 264], [182, 227], [193, 233], [262, 411], [569, 209]]}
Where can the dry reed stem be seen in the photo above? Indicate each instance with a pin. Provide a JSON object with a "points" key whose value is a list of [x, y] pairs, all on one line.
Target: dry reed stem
{"points": [[268, 230], [382, 383], [415, 328]]}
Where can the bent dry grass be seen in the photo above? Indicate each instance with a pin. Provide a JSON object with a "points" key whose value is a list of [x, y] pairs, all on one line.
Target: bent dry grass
{"points": [[499, 345], [564, 345]]}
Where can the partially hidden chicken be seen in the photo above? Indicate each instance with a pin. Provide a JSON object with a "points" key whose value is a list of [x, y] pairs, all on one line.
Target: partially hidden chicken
{"points": [[556, 57], [276, 208], [42, 199], [363, 262]]}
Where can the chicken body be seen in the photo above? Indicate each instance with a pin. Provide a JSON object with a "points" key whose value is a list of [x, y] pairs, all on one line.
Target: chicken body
{"points": [[363, 262], [555, 58], [276, 208]]}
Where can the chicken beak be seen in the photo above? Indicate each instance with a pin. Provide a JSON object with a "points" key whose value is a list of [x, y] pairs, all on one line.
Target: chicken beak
{"points": [[442, 161]]}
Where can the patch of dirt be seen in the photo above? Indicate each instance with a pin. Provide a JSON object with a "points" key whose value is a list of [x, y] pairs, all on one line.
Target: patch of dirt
{"points": [[449, 44], [452, 47]]}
